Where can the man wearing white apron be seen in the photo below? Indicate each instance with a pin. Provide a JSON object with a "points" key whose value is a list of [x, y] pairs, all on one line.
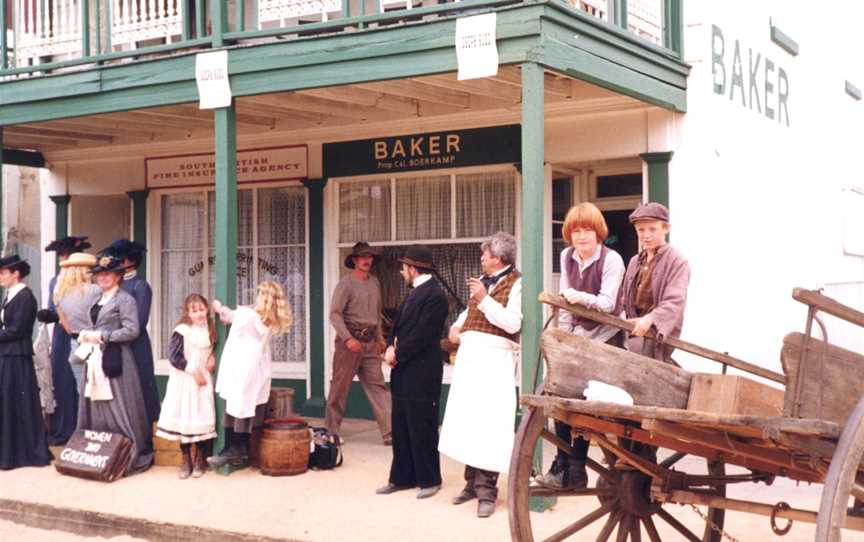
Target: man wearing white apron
{"points": [[479, 422]]}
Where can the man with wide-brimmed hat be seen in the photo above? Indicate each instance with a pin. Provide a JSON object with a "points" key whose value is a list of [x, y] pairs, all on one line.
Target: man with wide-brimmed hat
{"points": [[654, 292], [62, 422], [355, 313], [414, 352], [22, 432]]}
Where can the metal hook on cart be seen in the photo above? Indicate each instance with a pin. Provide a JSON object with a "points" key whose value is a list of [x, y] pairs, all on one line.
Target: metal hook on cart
{"points": [[780, 507]]}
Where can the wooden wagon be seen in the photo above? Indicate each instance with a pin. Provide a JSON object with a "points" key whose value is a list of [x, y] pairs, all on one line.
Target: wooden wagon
{"points": [[816, 434]]}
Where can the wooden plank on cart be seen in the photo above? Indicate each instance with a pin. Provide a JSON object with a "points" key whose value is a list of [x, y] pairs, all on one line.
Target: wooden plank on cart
{"points": [[833, 379], [756, 426], [607, 319], [572, 361], [733, 394]]}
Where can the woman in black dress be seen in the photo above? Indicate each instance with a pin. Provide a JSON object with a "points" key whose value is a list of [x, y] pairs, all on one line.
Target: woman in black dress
{"points": [[23, 439]]}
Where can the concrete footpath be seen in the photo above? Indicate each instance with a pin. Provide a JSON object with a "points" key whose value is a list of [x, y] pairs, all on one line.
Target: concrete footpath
{"points": [[338, 505]]}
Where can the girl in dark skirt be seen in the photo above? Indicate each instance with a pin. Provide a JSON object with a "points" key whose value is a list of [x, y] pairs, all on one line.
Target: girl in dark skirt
{"points": [[23, 441]]}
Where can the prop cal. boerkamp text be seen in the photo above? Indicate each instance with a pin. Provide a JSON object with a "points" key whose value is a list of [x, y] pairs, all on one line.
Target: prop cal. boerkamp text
{"points": [[95, 455]]}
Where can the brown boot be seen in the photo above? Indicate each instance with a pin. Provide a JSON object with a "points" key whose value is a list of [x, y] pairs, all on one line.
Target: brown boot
{"points": [[200, 461], [186, 464]]}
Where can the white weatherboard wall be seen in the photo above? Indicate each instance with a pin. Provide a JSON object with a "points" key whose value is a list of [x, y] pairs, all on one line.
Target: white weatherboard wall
{"points": [[756, 202]]}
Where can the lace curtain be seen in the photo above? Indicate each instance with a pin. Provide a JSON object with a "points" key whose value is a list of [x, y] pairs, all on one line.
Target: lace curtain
{"points": [[364, 211], [485, 204], [423, 208], [280, 255]]}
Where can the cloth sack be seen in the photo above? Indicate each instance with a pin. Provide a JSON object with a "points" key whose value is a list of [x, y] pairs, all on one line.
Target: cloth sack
{"points": [[97, 387]]}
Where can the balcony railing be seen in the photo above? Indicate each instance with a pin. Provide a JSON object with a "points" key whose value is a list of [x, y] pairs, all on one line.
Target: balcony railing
{"points": [[47, 35]]}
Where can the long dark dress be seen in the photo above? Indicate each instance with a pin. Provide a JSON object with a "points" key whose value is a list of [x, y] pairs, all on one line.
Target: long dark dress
{"points": [[65, 417], [141, 347], [23, 440], [117, 320]]}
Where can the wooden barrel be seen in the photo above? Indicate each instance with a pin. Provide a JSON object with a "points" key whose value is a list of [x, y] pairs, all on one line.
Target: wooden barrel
{"points": [[284, 447], [280, 403]]}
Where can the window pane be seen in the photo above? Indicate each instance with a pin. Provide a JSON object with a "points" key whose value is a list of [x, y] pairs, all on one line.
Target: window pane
{"points": [[244, 217], [645, 19], [181, 276], [485, 204], [182, 221], [557, 246], [364, 211], [455, 262], [619, 185], [245, 277], [562, 197], [287, 266], [282, 216], [423, 208]]}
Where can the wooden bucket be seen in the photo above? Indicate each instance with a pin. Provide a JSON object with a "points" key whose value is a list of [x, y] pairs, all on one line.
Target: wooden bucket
{"points": [[284, 447], [280, 404]]}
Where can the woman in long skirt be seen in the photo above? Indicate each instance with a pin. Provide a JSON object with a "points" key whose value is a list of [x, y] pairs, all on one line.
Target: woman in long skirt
{"points": [[115, 326], [23, 440]]}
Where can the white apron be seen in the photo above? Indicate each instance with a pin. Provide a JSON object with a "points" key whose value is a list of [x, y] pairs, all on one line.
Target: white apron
{"points": [[479, 421], [245, 366]]}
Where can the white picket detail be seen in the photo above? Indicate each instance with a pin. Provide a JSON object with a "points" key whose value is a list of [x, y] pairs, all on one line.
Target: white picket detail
{"points": [[47, 28], [282, 10], [138, 20]]}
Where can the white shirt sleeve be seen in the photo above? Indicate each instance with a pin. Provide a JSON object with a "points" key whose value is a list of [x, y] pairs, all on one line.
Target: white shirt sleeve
{"points": [[460, 321], [508, 318], [565, 318], [610, 283]]}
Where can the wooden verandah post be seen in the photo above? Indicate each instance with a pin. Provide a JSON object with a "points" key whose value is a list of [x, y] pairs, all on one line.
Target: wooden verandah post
{"points": [[533, 179], [225, 276]]}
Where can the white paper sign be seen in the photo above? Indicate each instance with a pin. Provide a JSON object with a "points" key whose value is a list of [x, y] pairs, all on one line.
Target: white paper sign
{"points": [[211, 74], [476, 50]]}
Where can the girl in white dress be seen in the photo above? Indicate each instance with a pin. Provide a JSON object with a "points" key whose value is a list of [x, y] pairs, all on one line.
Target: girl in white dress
{"points": [[245, 367], [188, 412]]}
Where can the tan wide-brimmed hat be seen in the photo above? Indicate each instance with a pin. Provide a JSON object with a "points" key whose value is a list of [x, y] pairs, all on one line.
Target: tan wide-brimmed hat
{"points": [[79, 259]]}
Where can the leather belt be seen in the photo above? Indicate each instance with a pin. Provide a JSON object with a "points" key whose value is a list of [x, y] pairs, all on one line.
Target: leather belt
{"points": [[364, 334]]}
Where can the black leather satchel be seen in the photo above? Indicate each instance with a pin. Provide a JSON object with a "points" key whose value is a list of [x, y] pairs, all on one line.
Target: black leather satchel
{"points": [[112, 360], [326, 452]]}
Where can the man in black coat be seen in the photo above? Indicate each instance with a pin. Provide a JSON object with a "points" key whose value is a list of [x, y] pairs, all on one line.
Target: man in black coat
{"points": [[23, 441], [414, 352]]}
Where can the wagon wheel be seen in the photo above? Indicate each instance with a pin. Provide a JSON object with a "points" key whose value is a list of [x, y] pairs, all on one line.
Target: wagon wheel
{"points": [[624, 497], [841, 482]]}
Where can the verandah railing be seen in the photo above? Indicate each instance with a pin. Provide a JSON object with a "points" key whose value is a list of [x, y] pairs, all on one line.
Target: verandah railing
{"points": [[45, 35]]}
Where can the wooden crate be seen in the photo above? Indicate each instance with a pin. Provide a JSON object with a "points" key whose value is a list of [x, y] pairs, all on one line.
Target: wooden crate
{"points": [[732, 394]]}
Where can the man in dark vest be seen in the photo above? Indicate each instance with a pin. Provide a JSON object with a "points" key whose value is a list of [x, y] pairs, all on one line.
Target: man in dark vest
{"points": [[414, 352], [481, 406]]}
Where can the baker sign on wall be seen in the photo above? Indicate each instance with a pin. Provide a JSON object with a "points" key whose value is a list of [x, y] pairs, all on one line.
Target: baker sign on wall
{"points": [[211, 76], [476, 50]]}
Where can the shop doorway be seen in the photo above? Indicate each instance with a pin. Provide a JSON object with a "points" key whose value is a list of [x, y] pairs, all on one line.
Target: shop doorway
{"points": [[102, 218], [615, 187]]}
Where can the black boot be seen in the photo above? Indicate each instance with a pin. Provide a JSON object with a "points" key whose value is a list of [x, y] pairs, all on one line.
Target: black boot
{"points": [[186, 464], [235, 452]]}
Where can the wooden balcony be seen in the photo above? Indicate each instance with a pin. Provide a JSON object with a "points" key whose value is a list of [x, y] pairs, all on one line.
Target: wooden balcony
{"points": [[45, 36]]}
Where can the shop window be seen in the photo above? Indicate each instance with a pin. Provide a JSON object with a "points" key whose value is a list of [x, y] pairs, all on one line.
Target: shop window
{"points": [[271, 238], [611, 186], [450, 213], [562, 200]]}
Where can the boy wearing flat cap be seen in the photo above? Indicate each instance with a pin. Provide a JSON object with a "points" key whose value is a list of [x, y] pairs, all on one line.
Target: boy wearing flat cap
{"points": [[654, 292], [355, 313]]}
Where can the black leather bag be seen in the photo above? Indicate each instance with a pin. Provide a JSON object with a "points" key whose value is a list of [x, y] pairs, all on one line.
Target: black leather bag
{"points": [[326, 451], [112, 360]]}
